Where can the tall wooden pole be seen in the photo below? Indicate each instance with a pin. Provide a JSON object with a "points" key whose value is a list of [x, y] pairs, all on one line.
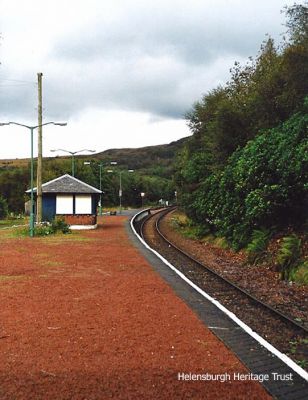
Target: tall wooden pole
{"points": [[39, 207]]}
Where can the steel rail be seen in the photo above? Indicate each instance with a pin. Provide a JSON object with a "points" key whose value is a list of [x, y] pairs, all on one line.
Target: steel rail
{"points": [[226, 280], [143, 224]]}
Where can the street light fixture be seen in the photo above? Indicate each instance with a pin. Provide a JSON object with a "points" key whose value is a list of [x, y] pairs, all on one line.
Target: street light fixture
{"points": [[31, 128], [120, 190], [101, 165], [73, 154]]}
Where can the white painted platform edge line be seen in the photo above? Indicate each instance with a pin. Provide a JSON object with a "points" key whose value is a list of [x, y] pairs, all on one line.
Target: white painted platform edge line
{"points": [[283, 357]]}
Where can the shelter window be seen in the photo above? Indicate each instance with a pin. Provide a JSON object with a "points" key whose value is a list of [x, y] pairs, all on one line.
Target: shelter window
{"points": [[64, 204], [83, 204]]}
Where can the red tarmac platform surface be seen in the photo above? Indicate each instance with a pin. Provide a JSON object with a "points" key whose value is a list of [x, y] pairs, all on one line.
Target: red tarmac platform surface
{"points": [[84, 316]]}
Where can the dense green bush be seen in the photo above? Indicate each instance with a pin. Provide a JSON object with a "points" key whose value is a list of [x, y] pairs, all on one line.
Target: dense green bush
{"points": [[263, 185], [45, 229], [59, 224]]}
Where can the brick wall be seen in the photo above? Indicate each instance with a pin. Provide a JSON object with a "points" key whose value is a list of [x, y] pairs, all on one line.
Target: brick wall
{"points": [[86, 219]]}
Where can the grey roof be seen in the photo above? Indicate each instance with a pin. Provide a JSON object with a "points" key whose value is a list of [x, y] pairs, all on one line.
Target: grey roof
{"points": [[67, 184]]}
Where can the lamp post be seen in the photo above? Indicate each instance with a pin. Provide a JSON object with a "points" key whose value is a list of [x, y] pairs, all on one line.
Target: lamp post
{"points": [[72, 153], [101, 165], [31, 128], [120, 192], [120, 189]]}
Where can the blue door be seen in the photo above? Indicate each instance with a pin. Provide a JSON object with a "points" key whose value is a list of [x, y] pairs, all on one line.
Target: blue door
{"points": [[49, 207]]}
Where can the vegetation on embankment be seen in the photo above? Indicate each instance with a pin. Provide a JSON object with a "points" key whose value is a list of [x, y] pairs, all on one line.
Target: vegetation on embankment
{"points": [[245, 167], [282, 252]]}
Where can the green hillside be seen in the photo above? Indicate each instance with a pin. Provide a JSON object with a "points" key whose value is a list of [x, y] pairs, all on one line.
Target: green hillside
{"points": [[153, 170]]}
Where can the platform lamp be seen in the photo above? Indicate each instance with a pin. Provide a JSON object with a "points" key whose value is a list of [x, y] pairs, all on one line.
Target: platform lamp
{"points": [[31, 128], [72, 153], [120, 190], [101, 165]]}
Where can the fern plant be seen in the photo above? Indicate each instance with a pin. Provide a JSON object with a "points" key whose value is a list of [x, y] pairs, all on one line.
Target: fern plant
{"points": [[257, 247], [300, 273], [289, 255]]}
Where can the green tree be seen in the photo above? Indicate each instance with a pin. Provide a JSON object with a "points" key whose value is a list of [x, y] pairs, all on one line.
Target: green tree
{"points": [[13, 184], [3, 208], [297, 23]]}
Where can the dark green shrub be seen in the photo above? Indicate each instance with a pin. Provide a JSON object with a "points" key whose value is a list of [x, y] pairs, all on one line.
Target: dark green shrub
{"points": [[45, 229], [59, 224], [263, 185]]}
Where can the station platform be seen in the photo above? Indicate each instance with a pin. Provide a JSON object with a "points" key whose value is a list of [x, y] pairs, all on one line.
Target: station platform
{"points": [[92, 318]]}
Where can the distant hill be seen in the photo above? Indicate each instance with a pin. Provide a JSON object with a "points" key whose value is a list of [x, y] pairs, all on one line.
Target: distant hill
{"points": [[154, 167], [145, 159]]}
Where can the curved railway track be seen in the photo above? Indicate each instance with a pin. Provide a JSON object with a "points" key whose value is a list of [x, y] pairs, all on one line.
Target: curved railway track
{"points": [[287, 335]]}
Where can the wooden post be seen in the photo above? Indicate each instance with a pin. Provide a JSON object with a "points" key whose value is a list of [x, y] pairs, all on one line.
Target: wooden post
{"points": [[39, 206]]}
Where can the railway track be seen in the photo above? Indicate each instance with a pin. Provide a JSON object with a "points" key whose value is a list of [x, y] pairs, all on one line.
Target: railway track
{"points": [[287, 335]]}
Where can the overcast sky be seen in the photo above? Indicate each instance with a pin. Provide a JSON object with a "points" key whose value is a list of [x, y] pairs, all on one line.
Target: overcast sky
{"points": [[121, 73]]}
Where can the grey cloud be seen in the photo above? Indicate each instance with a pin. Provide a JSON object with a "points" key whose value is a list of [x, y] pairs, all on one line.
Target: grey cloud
{"points": [[124, 89], [192, 32], [192, 44], [18, 98], [155, 60]]}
